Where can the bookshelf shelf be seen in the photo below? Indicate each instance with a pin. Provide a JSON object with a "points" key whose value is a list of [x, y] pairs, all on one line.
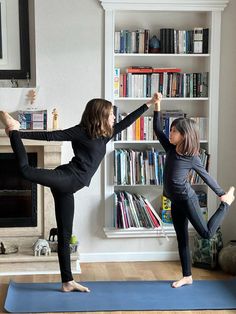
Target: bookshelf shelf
{"points": [[181, 15], [144, 142], [143, 232], [163, 99], [161, 55]]}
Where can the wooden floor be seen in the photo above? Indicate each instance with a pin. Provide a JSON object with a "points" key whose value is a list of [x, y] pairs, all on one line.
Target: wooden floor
{"points": [[123, 271]]}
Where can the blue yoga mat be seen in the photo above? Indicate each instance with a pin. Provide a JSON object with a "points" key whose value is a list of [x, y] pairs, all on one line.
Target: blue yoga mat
{"points": [[122, 296]]}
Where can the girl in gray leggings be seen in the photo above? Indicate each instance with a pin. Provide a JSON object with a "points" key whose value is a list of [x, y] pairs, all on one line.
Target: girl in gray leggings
{"points": [[182, 155]]}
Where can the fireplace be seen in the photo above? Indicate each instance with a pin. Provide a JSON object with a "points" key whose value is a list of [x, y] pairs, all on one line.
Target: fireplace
{"points": [[18, 197], [35, 211], [37, 215]]}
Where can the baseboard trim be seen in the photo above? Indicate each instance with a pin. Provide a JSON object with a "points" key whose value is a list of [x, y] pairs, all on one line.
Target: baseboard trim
{"points": [[128, 257]]}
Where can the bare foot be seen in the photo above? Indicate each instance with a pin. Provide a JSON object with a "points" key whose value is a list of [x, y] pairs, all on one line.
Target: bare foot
{"points": [[229, 196], [9, 122], [73, 286], [182, 282]]}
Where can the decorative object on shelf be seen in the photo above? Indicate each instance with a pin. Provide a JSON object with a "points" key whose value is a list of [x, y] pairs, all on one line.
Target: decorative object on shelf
{"points": [[14, 83], [54, 244], [33, 119], [52, 234], [31, 96], [227, 258], [73, 244], [55, 123], [8, 248], [154, 45], [41, 247]]}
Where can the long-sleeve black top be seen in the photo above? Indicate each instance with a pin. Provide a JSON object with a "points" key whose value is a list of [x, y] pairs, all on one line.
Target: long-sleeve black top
{"points": [[177, 168], [88, 153]]}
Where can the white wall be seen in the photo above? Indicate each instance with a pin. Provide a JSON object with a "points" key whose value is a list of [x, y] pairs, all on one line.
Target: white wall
{"points": [[69, 71]]}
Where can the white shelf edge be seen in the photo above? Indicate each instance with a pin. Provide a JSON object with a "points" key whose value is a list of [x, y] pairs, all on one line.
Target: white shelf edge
{"points": [[144, 142], [163, 99], [143, 232], [149, 185], [137, 185], [189, 55]]}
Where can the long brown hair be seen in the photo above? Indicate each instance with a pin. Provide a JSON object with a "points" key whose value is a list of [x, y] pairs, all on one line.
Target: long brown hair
{"points": [[189, 130], [95, 118]]}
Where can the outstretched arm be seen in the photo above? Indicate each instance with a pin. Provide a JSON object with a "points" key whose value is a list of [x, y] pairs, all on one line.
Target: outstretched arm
{"points": [[157, 122], [127, 121], [199, 168], [59, 135]]}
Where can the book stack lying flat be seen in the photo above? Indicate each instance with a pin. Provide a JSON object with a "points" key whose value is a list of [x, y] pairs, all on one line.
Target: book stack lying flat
{"points": [[33, 120]]}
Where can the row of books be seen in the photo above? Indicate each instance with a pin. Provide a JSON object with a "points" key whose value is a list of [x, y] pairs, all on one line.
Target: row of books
{"points": [[184, 41], [146, 167], [194, 178], [170, 84], [132, 41], [138, 167], [134, 211], [33, 119], [168, 116], [171, 41], [142, 128]]}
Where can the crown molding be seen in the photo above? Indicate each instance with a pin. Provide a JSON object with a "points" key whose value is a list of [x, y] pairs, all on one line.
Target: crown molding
{"points": [[162, 5]]}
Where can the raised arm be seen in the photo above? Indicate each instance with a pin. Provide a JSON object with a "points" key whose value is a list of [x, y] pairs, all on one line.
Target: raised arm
{"points": [[157, 122], [199, 168], [127, 121], [59, 135]]}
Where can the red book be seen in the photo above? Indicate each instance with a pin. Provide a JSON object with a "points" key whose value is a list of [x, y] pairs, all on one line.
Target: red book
{"points": [[154, 220], [161, 70], [141, 128], [139, 69]]}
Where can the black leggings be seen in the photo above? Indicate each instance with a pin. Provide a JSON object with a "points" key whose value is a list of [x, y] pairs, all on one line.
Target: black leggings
{"points": [[189, 209], [63, 184]]}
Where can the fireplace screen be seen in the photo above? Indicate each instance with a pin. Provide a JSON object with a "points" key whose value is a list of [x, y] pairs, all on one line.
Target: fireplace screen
{"points": [[18, 197]]}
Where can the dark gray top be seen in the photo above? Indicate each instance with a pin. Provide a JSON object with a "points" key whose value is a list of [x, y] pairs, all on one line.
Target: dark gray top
{"points": [[177, 167], [88, 153]]}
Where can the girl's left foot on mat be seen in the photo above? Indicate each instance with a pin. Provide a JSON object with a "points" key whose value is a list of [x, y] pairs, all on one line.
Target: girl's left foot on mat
{"points": [[229, 196], [182, 282], [73, 286]]}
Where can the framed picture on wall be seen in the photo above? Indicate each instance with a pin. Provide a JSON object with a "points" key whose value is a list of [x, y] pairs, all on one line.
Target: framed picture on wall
{"points": [[14, 40]]}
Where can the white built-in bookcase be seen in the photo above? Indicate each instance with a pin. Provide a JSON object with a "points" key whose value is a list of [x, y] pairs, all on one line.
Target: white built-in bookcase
{"points": [[153, 15]]}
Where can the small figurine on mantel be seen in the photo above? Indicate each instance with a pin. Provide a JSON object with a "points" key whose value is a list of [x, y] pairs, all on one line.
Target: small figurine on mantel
{"points": [[31, 96], [55, 123], [8, 248]]}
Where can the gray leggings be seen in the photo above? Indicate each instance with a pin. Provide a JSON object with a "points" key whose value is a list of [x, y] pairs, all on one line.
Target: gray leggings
{"points": [[189, 210]]}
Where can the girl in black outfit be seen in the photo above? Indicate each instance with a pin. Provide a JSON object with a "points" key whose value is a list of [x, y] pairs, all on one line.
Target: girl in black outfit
{"points": [[182, 155], [89, 139]]}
